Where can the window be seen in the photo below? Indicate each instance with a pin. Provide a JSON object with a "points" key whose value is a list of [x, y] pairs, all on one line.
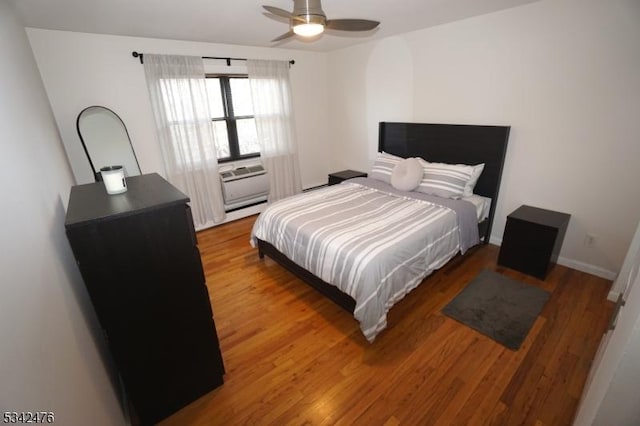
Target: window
{"points": [[232, 115]]}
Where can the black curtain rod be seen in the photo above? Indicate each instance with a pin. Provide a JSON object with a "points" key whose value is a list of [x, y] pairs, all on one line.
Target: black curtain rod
{"points": [[140, 55]]}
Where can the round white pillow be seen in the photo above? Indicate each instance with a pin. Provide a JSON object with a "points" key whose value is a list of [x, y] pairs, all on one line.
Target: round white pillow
{"points": [[407, 174]]}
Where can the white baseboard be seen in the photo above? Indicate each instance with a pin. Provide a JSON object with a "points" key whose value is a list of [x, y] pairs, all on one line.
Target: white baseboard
{"points": [[495, 241], [235, 215], [577, 265], [613, 296], [588, 268]]}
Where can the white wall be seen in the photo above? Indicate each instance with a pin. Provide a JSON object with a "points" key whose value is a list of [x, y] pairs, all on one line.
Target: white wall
{"points": [[610, 396], [81, 69], [49, 360], [562, 73]]}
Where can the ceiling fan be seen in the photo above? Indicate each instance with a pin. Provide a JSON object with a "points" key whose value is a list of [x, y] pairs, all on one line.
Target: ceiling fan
{"points": [[308, 20]]}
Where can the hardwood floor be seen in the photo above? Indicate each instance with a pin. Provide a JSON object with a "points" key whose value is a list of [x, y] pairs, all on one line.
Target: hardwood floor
{"points": [[293, 357]]}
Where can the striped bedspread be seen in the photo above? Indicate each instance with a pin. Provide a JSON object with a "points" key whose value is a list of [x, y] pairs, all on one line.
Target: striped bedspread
{"points": [[373, 245]]}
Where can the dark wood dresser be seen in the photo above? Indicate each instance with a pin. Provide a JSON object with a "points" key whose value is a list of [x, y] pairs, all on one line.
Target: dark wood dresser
{"points": [[140, 263]]}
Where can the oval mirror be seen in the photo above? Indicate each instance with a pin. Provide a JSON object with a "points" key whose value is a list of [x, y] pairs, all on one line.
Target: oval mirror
{"points": [[106, 141]]}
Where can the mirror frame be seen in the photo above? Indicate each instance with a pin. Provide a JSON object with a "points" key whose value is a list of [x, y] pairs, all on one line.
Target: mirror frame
{"points": [[96, 173]]}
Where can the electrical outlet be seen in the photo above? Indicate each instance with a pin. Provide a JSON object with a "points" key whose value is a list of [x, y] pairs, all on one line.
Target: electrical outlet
{"points": [[590, 240]]}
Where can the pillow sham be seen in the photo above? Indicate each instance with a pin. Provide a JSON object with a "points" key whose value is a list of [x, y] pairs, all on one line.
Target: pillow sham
{"points": [[471, 184], [383, 166], [407, 174], [445, 180]]}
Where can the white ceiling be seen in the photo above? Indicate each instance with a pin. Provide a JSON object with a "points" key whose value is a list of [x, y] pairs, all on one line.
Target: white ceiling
{"points": [[244, 22]]}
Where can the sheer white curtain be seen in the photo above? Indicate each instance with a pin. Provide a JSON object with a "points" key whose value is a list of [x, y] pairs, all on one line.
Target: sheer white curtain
{"points": [[271, 95], [178, 93]]}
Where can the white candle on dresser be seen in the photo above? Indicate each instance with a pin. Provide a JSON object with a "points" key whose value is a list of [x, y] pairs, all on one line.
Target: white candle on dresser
{"points": [[113, 178]]}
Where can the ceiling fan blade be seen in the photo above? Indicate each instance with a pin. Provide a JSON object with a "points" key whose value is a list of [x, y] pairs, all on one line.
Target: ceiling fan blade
{"points": [[283, 36], [351, 24], [283, 13], [278, 11]]}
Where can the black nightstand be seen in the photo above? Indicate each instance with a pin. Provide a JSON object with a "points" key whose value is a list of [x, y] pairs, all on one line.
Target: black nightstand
{"points": [[532, 240], [337, 177]]}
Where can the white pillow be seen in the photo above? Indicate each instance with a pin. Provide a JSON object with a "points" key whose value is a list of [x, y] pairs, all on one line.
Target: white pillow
{"points": [[383, 166], [407, 175], [445, 180], [468, 188]]}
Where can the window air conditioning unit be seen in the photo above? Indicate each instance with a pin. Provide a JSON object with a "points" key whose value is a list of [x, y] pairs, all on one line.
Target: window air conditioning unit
{"points": [[244, 185]]}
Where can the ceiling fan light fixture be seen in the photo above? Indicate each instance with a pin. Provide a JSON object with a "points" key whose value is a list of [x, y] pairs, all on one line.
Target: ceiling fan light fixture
{"points": [[308, 20], [308, 30], [308, 25]]}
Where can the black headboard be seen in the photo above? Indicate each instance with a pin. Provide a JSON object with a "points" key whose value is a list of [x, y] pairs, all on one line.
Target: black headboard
{"points": [[454, 144]]}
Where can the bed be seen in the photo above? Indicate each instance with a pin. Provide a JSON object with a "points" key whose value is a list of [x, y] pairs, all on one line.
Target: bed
{"points": [[365, 244]]}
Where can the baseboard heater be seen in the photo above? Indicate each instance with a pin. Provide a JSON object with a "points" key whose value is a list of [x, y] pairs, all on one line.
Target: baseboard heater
{"points": [[244, 186]]}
